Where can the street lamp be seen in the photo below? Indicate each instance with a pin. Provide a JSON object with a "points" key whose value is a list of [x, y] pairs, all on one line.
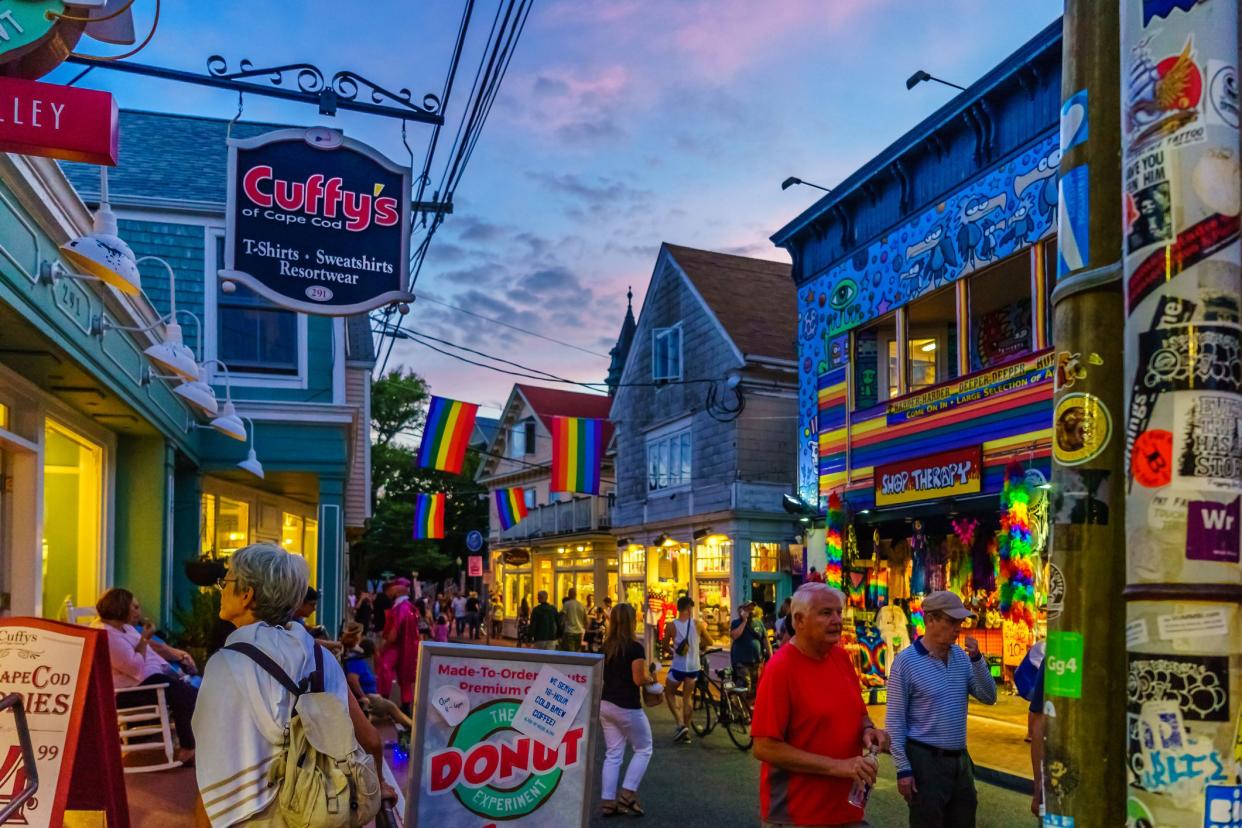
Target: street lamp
{"points": [[920, 76], [792, 180]]}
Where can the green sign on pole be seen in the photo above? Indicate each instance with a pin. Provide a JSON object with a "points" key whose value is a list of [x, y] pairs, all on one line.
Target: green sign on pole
{"points": [[1063, 665], [23, 23]]}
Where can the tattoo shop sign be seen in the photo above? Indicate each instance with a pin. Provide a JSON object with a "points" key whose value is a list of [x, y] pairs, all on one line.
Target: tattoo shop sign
{"points": [[317, 222], [507, 735], [945, 474]]}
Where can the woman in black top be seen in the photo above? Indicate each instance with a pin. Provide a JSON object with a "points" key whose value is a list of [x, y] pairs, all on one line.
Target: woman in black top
{"points": [[621, 713]]}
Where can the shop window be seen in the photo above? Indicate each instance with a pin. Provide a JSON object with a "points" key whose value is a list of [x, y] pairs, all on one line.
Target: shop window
{"points": [[73, 469], [4, 416], [666, 353], [668, 461], [310, 548], [291, 533], [875, 362], [714, 555], [207, 527], [1000, 312], [634, 562], [764, 557], [232, 526], [931, 325], [254, 335]]}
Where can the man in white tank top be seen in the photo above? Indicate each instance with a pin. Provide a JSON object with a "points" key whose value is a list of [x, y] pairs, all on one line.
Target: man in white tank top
{"points": [[684, 635]]}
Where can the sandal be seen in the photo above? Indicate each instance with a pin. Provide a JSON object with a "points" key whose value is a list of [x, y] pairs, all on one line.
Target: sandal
{"points": [[630, 805], [612, 809]]}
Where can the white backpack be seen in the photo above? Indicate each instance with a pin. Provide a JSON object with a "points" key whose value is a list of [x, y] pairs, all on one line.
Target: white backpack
{"points": [[326, 779]]}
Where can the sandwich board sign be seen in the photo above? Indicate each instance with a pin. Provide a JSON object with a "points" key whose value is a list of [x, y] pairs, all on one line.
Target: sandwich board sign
{"points": [[508, 736], [64, 677]]}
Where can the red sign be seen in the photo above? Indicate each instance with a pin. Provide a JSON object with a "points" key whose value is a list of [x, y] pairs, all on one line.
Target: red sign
{"points": [[58, 121], [474, 566], [927, 478]]}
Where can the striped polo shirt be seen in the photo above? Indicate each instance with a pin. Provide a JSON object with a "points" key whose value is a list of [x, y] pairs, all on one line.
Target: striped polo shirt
{"points": [[927, 699]]}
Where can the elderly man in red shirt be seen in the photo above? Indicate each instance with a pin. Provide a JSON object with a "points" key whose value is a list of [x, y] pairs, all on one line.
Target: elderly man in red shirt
{"points": [[811, 727]]}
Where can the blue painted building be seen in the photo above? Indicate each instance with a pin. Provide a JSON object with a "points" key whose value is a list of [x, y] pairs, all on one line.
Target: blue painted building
{"points": [[304, 381], [923, 316]]}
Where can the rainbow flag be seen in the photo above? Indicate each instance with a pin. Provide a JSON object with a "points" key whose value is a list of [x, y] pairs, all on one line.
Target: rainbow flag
{"points": [[511, 506], [429, 517], [577, 448], [446, 434]]}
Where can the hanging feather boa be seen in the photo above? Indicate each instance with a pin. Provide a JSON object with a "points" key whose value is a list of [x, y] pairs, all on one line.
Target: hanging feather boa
{"points": [[835, 546], [1017, 570]]}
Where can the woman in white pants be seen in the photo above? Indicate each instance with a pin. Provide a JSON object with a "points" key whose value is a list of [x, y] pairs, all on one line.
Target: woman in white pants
{"points": [[621, 713]]}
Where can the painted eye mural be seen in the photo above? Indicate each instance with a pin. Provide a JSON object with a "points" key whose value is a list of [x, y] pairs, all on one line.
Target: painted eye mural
{"points": [[843, 294]]}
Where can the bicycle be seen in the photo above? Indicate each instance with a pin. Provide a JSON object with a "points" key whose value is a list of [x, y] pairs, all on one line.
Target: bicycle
{"points": [[718, 702]]}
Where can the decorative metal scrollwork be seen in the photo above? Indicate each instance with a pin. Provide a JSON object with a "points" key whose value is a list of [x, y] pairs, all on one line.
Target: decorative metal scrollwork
{"points": [[310, 80]]}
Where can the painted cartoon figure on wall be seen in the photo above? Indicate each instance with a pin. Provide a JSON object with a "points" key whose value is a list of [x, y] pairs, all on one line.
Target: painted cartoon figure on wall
{"points": [[1007, 208]]}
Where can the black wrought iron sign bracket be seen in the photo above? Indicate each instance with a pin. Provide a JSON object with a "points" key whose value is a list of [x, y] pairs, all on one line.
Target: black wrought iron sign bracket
{"points": [[301, 82]]}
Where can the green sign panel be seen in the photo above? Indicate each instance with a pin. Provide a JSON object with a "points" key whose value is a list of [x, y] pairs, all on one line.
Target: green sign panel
{"points": [[24, 23], [1063, 665]]}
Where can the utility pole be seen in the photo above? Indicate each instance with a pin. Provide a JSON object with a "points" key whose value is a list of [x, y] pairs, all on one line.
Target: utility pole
{"points": [[1183, 285], [1084, 779]]}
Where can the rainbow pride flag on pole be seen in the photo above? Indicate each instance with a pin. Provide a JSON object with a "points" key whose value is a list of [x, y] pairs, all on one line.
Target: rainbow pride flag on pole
{"points": [[429, 517], [446, 434], [511, 506], [577, 448]]}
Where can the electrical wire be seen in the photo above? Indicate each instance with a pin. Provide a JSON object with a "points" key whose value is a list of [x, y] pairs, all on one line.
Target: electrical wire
{"points": [[415, 431], [425, 298], [109, 58]]}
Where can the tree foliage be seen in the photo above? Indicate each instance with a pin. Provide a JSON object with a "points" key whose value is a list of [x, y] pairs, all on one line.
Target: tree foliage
{"points": [[398, 409]]}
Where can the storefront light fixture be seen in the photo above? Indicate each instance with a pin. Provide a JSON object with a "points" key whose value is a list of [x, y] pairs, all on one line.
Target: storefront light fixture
{"points": [[199, 396], [226, 422], [251, 463], [929, 347], [102, 254]]}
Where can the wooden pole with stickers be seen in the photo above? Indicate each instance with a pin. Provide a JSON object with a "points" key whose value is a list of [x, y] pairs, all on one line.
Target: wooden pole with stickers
{"points": [[1181, 197], [64, 677], [1083, 772]]}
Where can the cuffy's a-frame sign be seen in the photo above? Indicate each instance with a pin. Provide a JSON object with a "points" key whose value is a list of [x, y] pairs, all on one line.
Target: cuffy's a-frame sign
{"points": [[64, 676]]}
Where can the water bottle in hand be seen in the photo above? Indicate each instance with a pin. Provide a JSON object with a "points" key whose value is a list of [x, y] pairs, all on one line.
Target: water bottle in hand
{"points": [[861, 792]]}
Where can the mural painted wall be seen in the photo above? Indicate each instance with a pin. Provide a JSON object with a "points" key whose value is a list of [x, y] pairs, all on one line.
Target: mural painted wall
{"points": [[1009, 207]]}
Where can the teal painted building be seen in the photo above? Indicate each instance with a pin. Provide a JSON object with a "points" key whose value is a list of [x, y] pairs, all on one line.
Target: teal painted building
{"points": [[106, 476]]}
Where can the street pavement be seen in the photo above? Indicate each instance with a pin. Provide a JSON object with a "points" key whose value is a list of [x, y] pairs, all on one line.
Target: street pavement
{"points": [[711, 783]]}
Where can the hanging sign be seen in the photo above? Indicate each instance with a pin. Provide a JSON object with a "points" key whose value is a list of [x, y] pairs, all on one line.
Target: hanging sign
{"points": [[317, 222], [945, 474], [58, 122], [474, 566], [63, 675], [507, 735]]}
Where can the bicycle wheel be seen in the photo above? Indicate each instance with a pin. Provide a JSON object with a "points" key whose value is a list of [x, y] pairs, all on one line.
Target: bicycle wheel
{"points": [[701, 713], [738, 724]]}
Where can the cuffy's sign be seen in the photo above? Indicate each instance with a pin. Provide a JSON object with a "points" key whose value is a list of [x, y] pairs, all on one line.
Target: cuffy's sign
{"points": [[317, 222], [925, 478]]}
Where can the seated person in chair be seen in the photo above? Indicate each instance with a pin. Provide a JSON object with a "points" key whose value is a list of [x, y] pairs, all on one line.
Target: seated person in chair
{"points": [[135, 663]]}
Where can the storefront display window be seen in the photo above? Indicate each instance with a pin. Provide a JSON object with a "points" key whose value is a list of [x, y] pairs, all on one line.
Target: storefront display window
{"points": [[543, 579], [292, 527], [207, 527], [1000, 312], [714, 555], [633, 562], [875, 362], [764, 557], [232, 526], [73, 470]]}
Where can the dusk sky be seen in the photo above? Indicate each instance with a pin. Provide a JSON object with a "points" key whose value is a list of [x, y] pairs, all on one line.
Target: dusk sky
{"points": [[619, 125]]}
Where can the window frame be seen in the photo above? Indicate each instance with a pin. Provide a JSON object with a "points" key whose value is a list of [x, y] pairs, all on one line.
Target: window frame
{"points": [[663, 334], [242, 378]]}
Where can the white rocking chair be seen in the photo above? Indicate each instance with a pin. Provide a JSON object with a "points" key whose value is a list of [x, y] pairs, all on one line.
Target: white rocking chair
{"points": [[143, 721]]}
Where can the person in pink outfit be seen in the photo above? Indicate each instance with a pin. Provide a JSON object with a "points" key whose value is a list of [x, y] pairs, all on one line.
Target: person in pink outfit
{"points": [[399, 656]]}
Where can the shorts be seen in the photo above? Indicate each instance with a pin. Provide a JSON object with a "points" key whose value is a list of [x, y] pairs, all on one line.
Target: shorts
{"points": [[678, 675]]}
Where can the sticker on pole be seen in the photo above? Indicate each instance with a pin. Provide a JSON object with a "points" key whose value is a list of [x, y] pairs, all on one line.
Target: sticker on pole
{"points": [[1082, 428], [1222, 806], [1063, 665]]}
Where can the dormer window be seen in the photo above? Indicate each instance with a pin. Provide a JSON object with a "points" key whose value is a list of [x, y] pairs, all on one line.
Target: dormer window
{"points": [[522, 439], [666, 353]]}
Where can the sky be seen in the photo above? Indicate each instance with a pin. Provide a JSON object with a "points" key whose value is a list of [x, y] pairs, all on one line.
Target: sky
{"points": [[620, 125]]}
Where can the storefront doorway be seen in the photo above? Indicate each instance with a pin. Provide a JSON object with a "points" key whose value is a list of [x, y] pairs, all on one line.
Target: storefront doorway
{"points": [[73, 484]]}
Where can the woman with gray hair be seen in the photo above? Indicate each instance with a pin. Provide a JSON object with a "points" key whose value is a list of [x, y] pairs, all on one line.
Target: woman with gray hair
{"points": [[243, 711]]}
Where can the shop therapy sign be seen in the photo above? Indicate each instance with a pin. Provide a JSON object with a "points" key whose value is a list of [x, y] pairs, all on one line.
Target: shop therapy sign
{"points": [[317, 222], [945, 474]]}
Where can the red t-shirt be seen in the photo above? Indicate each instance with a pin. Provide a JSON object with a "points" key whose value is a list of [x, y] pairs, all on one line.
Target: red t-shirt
{"points": [[814, 706]]}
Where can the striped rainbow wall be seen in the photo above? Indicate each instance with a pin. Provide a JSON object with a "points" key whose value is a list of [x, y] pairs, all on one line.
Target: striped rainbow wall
{"points": [[1012, 420]]}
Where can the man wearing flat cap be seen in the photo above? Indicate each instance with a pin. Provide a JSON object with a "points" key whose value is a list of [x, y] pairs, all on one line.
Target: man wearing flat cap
{"points": [[928, 685]]}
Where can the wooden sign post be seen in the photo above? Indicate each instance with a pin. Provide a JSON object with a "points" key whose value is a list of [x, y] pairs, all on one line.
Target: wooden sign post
{"points": [[64, 677]]}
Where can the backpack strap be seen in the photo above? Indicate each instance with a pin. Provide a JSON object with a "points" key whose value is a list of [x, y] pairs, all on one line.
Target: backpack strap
{"points": [[315, 679], [273, 669]]}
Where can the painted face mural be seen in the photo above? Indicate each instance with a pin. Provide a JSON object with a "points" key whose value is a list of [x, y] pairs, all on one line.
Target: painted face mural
{"points": [[996, 214]]}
